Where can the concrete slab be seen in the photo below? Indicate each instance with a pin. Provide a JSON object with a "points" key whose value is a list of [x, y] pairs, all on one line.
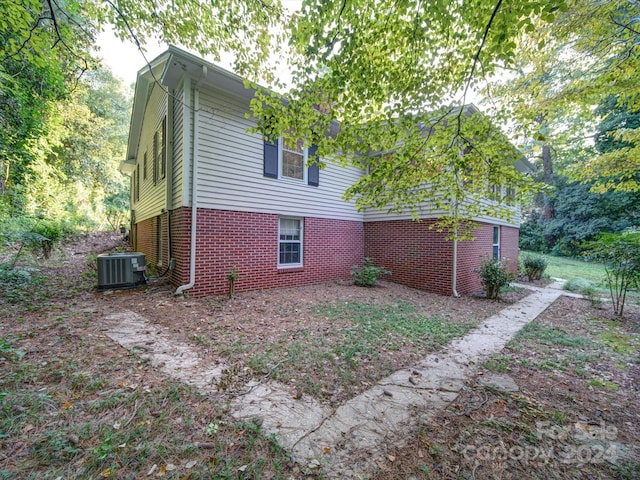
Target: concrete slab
{"points": [[499, 381]]}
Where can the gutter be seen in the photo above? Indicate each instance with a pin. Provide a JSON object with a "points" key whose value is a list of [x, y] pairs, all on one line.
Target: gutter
{"points": [[194, 185]]}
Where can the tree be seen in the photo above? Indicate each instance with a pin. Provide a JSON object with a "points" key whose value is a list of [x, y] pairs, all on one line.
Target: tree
{"points": [[580, 213], [591, 52], [396, 76], [620, 254]]}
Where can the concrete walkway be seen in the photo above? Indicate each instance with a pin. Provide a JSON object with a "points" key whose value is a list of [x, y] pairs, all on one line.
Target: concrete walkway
{"points": [[348, 440]]}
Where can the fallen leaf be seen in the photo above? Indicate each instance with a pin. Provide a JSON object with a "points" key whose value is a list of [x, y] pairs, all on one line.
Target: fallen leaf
{"points": [[152, 470], [326, 449], [242, 468], [191, 464], [392, 458], [67, 405], [105, 473]]}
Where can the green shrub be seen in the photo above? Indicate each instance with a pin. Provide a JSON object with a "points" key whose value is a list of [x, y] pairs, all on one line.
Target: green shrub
{"points": [[367, 275], [534, 266], [620, 254], [15, 281], [493, 276], [44, 236], [578, 284]]}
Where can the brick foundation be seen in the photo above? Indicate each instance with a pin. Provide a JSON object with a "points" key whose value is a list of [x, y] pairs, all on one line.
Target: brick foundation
{"points": [[250, 241], [419, 257]]}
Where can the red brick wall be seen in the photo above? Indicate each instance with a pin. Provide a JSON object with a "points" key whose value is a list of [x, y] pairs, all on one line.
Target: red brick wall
{"points": [[509, 250], [471, 253], [419, 257], [145, 240], [250, 241], [180, 234]]}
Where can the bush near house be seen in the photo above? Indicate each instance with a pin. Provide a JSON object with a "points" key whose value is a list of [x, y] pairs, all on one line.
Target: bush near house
{"points": [[493, 276], [367, 275]]}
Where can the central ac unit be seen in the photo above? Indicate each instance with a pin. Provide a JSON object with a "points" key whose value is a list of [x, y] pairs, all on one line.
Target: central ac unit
{"points": [[121, 270]]}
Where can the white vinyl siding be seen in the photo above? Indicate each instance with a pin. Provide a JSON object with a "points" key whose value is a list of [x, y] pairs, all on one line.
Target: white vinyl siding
{"points": [[374, 215], [178, 147], [152, 193], [231, 173]]}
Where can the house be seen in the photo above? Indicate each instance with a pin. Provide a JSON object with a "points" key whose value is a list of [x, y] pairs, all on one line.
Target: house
{"points": [[208, 197]]}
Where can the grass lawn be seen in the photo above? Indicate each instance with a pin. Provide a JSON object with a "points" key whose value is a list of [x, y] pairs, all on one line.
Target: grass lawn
{"points": [[568, 268]]}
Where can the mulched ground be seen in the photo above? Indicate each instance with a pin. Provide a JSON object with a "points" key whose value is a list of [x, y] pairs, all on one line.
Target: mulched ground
{"points": [[592, 379]]}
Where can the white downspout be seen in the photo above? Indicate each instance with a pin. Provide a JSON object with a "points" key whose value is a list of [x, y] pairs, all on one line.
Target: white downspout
{"points": [[454, 275], [194, 188], [454, 266]]}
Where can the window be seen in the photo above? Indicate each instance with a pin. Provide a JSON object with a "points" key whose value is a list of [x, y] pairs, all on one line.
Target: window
{"points": [[163, 148], [293, 160], [136, 186], [290, 242], [144, 167], [510, 195], [284, 161], [156, 157], [496, 242]]}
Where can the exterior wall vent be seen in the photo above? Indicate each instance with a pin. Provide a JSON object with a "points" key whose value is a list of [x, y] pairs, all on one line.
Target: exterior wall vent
{"points": [[121, 270]]}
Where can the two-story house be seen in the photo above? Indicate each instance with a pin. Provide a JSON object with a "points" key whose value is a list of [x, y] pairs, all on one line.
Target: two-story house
{"points": [[208, 196]]}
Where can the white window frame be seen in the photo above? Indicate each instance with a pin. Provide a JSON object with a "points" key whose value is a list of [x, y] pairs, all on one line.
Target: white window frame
{"points": [[300, 241], [496, 228], [305, 156]]}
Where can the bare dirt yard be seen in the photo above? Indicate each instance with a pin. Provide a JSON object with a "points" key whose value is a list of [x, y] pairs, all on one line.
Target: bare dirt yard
{"points": [[73, 404]]}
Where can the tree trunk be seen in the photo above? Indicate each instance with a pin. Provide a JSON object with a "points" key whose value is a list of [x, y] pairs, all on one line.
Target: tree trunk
{"points": [[547, 165]]}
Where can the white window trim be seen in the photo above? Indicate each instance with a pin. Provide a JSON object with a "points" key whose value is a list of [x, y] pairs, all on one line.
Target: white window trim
{"points": [[292, 265], [305, 156], [493, 243]]}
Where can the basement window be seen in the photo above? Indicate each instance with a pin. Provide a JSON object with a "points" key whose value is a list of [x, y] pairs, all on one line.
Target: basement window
{"points": [[290, 242], [496, 242]]}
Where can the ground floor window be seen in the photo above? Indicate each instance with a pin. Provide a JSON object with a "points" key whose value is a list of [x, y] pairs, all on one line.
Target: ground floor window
{"points": [[496, 242], [290, 242]]}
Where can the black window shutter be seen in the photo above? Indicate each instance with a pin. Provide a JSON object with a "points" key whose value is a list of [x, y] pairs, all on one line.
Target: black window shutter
{"points": [[313, 173], [271, 158]]}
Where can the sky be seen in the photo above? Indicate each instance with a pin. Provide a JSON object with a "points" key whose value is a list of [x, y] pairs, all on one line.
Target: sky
{"points": [[124, 58]]}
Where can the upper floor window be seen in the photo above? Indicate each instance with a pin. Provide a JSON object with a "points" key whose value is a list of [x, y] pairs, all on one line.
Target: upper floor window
{"points": [[293, 160], [282, 160]]}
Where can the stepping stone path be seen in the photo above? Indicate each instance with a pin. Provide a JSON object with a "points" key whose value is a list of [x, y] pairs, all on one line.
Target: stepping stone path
{"points": [[346, 441]]}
